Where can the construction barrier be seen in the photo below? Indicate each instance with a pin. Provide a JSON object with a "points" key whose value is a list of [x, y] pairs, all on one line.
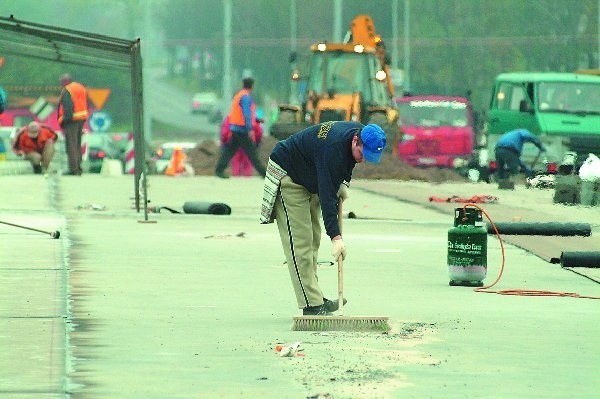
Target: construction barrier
{"points": [[177, 164], [130, 155], [111, 167], [85, 154]]}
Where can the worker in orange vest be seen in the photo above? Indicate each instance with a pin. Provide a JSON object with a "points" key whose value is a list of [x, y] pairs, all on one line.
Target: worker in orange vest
{"points": [[240, 163], [241, 117], [72, 114], [35, 143]]}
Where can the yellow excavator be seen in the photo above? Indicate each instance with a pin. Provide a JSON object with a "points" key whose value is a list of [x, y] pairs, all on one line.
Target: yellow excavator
{"points": [[347, 81]]}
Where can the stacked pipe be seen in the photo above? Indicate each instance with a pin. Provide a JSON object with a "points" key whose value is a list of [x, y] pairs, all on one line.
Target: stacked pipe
{"points": [[542, 229]]}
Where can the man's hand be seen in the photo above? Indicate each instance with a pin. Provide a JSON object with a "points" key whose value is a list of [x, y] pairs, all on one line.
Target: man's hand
{"points": [[338, 249], [343, 192]]}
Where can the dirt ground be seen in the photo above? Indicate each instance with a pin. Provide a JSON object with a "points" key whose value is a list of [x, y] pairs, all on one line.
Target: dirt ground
{"points": [[204, 158]]}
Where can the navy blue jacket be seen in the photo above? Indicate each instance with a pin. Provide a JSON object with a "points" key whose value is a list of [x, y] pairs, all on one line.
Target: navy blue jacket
{"points": [[320, 159]]}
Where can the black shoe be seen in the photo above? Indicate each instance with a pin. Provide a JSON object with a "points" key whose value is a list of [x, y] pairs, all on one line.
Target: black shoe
{"points": [[222, 175], [320, 310], [37, 169], [334, 305]]}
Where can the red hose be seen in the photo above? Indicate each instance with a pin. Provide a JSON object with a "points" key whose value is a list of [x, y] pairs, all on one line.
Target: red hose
{"points": [[519, 292]]}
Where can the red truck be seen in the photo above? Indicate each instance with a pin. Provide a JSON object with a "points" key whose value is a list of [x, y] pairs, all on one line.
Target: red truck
{"points": [[22, 116], [436, 131]]}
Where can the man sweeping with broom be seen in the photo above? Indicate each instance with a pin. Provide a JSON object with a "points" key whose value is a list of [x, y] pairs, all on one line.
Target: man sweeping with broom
{"points": [[306, 175]]}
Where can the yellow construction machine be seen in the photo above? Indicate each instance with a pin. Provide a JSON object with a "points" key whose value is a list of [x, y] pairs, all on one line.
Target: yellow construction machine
{"points": [[347, 81]]}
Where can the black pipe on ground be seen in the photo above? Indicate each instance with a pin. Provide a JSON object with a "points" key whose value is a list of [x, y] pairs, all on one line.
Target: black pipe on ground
{"points": [[206, 208], [580, 259], [542, 229]]}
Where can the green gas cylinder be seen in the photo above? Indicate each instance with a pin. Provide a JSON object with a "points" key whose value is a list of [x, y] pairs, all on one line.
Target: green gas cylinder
{"points": [[467, 248]]}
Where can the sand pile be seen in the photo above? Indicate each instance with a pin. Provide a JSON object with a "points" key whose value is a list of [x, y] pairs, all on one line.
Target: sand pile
{"points": [[204, 158]]}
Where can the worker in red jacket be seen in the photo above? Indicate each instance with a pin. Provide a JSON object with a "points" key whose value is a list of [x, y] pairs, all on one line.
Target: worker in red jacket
{"points": [[35, 143]]}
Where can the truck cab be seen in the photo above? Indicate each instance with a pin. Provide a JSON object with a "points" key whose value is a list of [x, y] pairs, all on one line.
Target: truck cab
{"points": [[436, 130], [562, 109]]}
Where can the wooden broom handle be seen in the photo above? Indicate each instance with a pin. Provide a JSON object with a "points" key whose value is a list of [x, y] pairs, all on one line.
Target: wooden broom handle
{"points": [[340, 263]]}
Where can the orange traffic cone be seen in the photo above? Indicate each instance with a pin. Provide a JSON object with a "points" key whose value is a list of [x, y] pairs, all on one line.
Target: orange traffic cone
{"points": [[177, 163]]}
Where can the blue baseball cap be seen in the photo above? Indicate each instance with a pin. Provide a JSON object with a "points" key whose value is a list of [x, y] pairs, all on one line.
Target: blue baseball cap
{"points": [[373, 138]]}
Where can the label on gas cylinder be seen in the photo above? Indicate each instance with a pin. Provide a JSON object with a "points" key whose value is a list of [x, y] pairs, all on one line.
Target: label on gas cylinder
{"points": [[467, 249]]}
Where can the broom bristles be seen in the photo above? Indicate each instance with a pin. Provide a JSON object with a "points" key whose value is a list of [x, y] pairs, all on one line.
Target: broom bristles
{"points": [[341, 323]]}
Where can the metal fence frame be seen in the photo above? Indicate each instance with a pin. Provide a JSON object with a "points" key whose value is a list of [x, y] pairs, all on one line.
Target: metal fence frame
{"points": [[50, 43]]}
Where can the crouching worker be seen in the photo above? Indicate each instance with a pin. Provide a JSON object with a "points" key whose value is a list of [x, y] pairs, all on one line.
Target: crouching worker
{"points": [[306, 175], [35, 143], [508, 152]]}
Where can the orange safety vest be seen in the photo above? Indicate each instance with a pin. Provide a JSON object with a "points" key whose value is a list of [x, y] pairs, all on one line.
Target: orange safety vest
{"points": [[79, 98], [26, 144], [236, 115]]}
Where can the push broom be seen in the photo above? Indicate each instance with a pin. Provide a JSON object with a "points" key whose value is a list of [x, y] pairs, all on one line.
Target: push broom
{"points": [[341, 322]]}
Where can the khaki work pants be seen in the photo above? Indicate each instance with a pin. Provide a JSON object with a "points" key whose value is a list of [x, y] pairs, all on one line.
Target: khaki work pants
{"points": [[298, 213]]}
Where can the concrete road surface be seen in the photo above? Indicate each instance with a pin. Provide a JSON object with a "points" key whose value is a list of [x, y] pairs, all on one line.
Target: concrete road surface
{"points": [[193, 306]]}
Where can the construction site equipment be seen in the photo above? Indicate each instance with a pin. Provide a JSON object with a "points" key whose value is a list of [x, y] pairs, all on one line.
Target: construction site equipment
{"points": [[562, 109], [177, 163], [53, 234], [567, 189], [542, 229], [341, 322], [580, 259], [517, 291], [467, 249], [206, 208], [197, 208], [347, 81], [437, 130]]}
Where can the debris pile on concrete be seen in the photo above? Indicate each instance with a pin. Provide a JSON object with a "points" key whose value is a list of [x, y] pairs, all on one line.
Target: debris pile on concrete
{"points": [[204, 158]]}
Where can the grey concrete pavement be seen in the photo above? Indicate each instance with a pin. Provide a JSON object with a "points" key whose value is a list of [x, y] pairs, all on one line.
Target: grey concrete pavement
{"points": [[191, 306]]}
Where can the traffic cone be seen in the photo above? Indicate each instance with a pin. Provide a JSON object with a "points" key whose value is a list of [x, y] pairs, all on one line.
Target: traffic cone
{"points": [[177, 163]]}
